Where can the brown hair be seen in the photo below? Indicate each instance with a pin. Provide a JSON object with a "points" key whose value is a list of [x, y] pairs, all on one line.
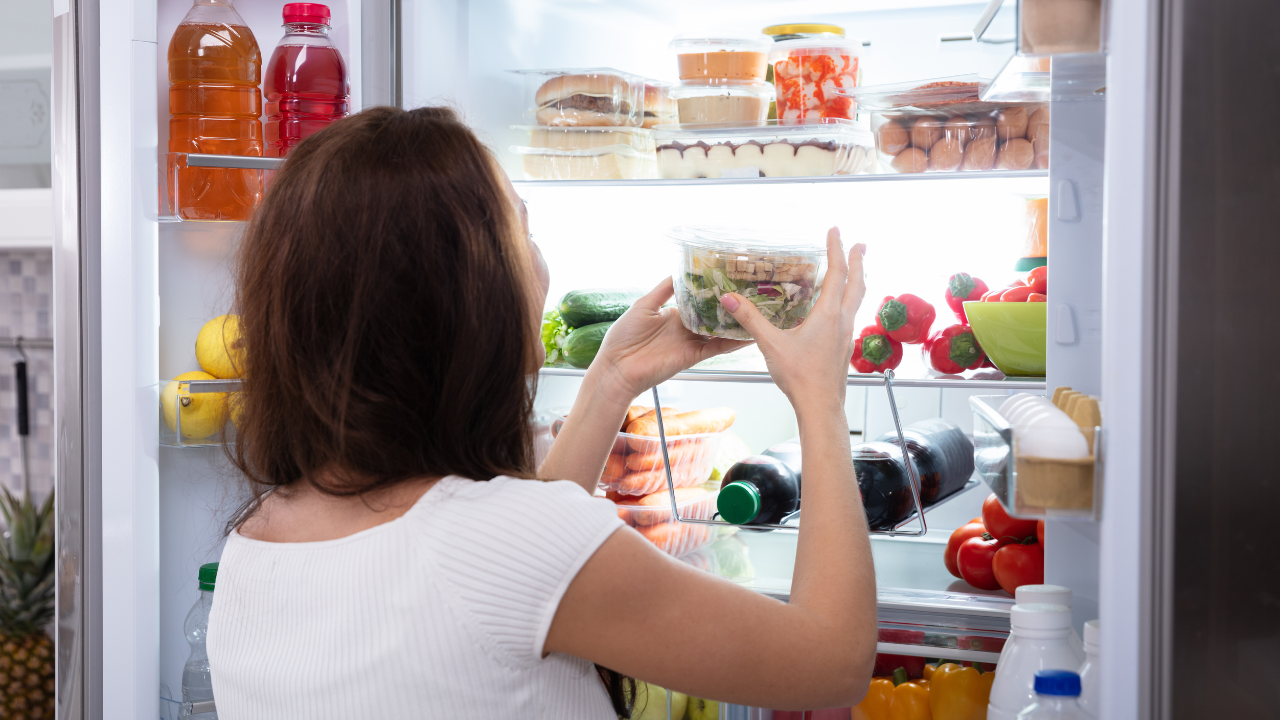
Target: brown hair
{"points": [[384, 292], [384, 295]]}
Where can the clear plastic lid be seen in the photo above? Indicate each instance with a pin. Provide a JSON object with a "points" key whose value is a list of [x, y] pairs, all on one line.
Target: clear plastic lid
{"points": [[948, 96], [699, 43], [702, 88], [830, 130], [583, 97], [828, 44], [746, 241]]}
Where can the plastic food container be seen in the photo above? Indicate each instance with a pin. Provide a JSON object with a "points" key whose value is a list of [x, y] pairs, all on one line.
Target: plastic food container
{"points": [[942, 126], [583, 97], [656, 523], [723, 101], [767, 149], [721, 58], [635, 467], [659, 106], [780, 276], [587, 153], [809, 74]]}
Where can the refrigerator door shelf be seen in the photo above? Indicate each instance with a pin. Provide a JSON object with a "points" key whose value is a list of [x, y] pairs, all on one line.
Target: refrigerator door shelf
{"points": [[189, 392], [1051, 489], [183, 172]]}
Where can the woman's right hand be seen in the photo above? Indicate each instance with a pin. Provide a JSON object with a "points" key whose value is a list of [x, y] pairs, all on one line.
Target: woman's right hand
{"points": [[810, 363]]}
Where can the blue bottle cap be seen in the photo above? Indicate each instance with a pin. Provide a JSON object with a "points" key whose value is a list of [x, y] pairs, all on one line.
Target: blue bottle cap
{"points": [[1057, 682]]}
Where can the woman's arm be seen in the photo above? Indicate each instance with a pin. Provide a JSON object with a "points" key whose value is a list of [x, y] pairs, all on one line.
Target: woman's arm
{"points": [[646, 346], [635, 610]]}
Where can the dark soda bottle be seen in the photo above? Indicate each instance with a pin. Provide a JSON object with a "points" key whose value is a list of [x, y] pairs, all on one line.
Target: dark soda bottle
{"points": [[306, 81], [759, 490]]}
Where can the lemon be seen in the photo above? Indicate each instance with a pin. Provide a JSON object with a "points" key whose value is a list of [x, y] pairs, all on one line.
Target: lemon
{"points": [[203, 414], [235, 404], [219, 348]]}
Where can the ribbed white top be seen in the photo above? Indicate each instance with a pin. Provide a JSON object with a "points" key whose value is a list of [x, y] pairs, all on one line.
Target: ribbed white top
{"points": [[441, 613]]}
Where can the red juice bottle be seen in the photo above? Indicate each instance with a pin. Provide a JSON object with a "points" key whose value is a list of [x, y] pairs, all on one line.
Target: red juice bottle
{"points": [[306, 81]]}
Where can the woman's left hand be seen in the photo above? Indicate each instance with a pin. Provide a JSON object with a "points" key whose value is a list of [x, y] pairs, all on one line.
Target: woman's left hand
{"points": [[649, 344]]}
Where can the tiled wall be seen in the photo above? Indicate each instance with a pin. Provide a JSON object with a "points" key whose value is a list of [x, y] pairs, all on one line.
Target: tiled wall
{"points": [[26, 309]]}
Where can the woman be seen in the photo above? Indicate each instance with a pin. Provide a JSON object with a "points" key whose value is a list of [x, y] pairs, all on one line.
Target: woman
{"points": [[399, 559]]}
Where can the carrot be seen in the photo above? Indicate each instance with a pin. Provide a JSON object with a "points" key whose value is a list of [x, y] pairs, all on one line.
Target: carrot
{"points": [[614, 468], [676, 538], [652, 416], [711, 420], [680, 454], [634, 412], [658, 505], [651, 481]]}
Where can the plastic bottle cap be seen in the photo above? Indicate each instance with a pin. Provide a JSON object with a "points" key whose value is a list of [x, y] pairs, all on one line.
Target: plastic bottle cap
{"points": [[1057, 682], [1052, 594], [1040, 616], [804, 29], [1092, 633], [739, 503], [313, 13], [208, 575]]}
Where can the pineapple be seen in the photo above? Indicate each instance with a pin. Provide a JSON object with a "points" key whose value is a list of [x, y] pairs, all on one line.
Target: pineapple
{"points": [[26, 607]]}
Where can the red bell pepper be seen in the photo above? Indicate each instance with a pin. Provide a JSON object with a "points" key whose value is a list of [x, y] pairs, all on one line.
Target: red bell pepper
{"points": [[962, 287], [875, 351], [1017, 294], [1037, 297], [953, 350], [1038, 280], [906, 317]]}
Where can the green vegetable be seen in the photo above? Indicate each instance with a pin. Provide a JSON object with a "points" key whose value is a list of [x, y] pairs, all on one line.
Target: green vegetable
{"points": [[581, 308], [554, 331], [732, 449], [581, 346]]}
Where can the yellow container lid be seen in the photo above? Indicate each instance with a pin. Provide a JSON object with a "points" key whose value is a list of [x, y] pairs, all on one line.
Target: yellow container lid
{"points": [[803, 29]]}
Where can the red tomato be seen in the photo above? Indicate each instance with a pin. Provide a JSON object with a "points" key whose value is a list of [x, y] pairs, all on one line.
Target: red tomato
{"points": [[1038, 279], [1040, 532], [1015, 565], [1037, 297], [1017, 294], [1000, 525], [974, 528], [974, 560]]}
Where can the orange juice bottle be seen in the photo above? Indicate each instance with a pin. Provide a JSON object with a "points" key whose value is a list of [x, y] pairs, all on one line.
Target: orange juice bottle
{"points": [[215, 69]]}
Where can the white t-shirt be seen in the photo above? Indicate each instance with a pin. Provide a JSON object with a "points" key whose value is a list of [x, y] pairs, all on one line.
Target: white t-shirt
{"points": [[440, 613]]}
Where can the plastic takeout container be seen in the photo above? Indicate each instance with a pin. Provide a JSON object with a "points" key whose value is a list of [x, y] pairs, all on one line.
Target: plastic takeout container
{"points": [[942, 126], [780, 276], [659, 106], [722, 58], [723, 102], [655, 521], [583, 97], [635, 467], [766, 149], [587, 153], [809, 73]]}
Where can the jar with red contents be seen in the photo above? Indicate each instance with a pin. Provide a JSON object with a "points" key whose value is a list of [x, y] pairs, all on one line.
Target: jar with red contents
{"points": [[811, 64]]}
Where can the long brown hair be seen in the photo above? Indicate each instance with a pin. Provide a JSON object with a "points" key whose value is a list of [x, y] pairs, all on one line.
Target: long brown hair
{"points": [[385, 300]]}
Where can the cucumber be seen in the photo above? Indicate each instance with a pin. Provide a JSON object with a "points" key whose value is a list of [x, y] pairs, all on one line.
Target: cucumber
{"points": [[580, 308], [581, 346]]}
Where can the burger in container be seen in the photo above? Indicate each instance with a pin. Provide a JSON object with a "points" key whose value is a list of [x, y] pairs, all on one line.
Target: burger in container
{"points": [[811, 70], [781, 276], [744, 59], [590, 97]]}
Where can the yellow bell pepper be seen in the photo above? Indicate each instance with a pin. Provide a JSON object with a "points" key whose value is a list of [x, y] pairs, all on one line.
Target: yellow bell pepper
{"points": [[910, 698], [959, 693], [875, 706]]}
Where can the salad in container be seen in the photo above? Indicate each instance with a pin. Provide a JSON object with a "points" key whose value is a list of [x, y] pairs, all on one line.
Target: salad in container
{"points": [[780, 276]]}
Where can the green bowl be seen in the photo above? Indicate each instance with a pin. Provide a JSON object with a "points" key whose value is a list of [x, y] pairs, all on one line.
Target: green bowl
{"points": [[1012, 334]]}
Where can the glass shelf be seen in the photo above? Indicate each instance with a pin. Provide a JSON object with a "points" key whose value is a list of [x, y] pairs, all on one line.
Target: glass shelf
{"points": [[872, 178], [980, 381]]}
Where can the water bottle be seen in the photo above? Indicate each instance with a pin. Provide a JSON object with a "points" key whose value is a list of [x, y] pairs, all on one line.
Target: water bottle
{"points": [[1056, 695], [1090, 674], [197, 685]]}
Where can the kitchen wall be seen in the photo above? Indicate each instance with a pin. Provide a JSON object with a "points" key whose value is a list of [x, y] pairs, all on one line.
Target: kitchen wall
{"points": [[26, 309]]}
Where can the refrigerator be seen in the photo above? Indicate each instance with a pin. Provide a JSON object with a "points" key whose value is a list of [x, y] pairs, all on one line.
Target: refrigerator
{"points": [[140, 510]]}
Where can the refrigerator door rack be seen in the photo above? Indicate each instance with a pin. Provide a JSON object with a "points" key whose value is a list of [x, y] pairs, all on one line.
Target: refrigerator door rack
{"points": [[176, 167], [1059, 489], [185, 391]]}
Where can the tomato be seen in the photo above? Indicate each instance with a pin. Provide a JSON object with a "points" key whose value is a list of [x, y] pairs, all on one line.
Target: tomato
{"points": [[1000, 525], [1040, 532], [974, 528], [1015, 565], [1017, 294], [974, 560], [1038, 280]]}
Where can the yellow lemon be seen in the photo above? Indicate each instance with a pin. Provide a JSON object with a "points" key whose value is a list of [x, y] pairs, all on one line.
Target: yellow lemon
{"points": [[203, 414], [235, 403], [219, 348]]}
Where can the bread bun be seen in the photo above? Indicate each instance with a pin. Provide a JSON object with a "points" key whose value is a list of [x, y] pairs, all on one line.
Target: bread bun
{"points": [[659, 106], [598, 85], [572, 117]]}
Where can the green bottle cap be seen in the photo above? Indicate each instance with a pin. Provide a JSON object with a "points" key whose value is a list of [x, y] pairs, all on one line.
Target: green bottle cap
{"points": [[208, 574], [739, 502]]}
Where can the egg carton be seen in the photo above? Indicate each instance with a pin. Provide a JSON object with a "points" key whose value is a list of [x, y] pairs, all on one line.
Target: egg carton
{"points": [[1029, 486]]}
